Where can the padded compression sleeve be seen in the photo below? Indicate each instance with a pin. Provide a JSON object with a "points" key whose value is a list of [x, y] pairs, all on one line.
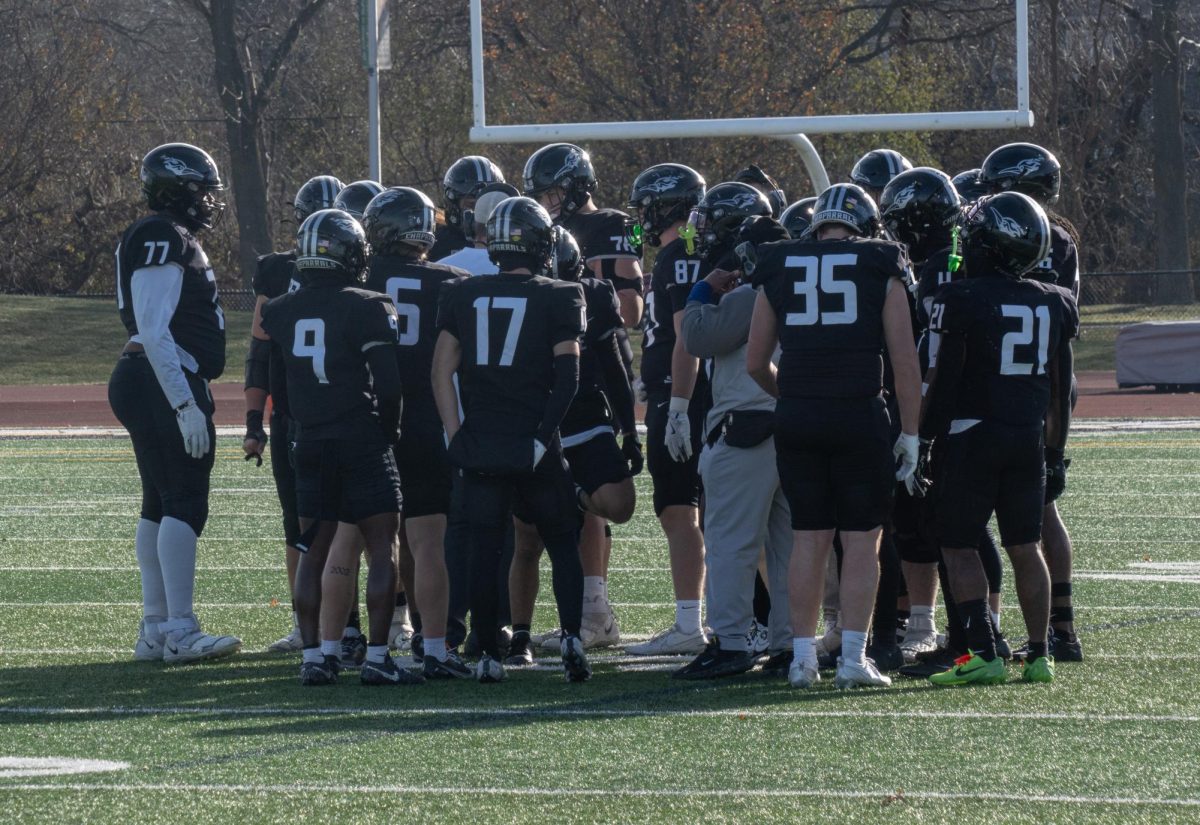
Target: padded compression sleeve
{"points": [[258, 365], [566, 382], [616, 384]]}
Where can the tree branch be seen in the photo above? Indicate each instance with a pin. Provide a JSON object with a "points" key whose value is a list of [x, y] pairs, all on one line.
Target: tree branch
{"points": [[306, 14]]}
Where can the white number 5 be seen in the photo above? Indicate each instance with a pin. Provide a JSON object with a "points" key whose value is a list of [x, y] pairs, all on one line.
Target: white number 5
{"points": [[153, 245]]}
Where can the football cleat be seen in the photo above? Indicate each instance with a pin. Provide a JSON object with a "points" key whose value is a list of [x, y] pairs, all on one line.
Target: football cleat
{"points": [[917, 640], [1040, 669], [599, 627], [288, 644], [803, 674], [184, 646], [354, 651], [451, 667], [551, 640], [1003, 649], [388, 672], [417, 648], [1065, 647], [714, 663], [887, 657], [972, 670], [520, 653], [670, 642], [852, 674], [489, 671], [401, 632], [778, 663], [927, 664], [320, 673], [575, 663], [760, 640], [150, 645]]}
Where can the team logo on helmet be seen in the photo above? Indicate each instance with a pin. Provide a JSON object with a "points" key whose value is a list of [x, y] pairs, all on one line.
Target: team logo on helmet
{"points": [[1009, 226], [177, 167], [743, 200], [663, 184], [903, 197], [570, 163], [1023, 167]]}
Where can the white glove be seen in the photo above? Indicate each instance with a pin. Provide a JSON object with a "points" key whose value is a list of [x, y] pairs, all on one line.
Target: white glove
{"points": [[908, 451], [639, 390], [678, 439], [193, 425], [539, 452]]}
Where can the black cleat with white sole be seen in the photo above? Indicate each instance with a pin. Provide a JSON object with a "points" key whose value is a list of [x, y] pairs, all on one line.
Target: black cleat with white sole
{"points": [[451, 668], [388, 672], [324, 672], [575, 663]]}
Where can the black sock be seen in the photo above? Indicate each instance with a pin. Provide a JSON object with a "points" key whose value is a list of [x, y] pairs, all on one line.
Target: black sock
{"points": [[1036, 650], [414, 617], [762, 601], [977, 622], [401, 599], [520, 628], [956, 637], [887, 592], [353, 621]]}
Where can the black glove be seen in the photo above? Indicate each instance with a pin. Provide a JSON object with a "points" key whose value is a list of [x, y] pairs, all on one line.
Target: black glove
{"points": [[920, 482], [1056, 475], [631, 448], [255, 432]]}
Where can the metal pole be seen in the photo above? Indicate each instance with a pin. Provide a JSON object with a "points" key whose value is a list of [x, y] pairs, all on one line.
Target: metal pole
{"points": [[479, 111], [1023, 57], [812, 161], [373, 157]]}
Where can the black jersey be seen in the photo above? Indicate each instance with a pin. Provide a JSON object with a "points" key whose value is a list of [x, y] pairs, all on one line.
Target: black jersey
{"points": [[829, 297], [508, 326], [1012, 329], [590, 407], [414, 288], [446, 239], [197, 324], [324, 331], [671, 280], [601, 237], [1061, 266], [274, 275]]}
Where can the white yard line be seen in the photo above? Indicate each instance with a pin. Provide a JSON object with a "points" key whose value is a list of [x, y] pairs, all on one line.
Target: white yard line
{"points": [[265, 605]]}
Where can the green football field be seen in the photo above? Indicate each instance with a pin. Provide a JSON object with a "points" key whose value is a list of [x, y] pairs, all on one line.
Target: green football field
{"points": [[1115, 739]]}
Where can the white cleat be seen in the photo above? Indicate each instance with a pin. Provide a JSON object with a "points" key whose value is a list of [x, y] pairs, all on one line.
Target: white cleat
{"points": [[184, 646], [670, 642], [551, 640], [599, 627], [918, 640], [489, 671], [288, 644], [851, 674], [401, 632], [150, 644], [803, 674]]}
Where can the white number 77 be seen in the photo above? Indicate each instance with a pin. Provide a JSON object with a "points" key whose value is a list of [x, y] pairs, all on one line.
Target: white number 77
{"points": [[151, 246]]}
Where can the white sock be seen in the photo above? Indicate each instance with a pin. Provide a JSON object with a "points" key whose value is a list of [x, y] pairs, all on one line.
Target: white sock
{"points": [[313, 654], [593, 588], [920, 617], [687, 615], [436, 648], [854, 646], [804, 649], [377, 653], [177, 558], [331, 647], [154, 598], [295, 619], [996, 619], [351, 633]]}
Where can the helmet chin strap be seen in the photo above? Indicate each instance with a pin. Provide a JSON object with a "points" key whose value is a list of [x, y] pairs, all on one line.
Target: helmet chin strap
{"points": [[688, 233]]}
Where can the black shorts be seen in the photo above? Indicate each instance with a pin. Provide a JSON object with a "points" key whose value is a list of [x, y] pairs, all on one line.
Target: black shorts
{"points": [[597, 461], [425, 472], [676, 483], [345, 480], [285, 475], [835, 462], [913, 528], [544, 498], [988, 468], [173, 483]]}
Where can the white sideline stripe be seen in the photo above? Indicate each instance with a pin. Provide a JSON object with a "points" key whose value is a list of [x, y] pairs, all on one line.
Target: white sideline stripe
{"points": [[642, 605], [535, 712], [719, 793], [12, 767]]}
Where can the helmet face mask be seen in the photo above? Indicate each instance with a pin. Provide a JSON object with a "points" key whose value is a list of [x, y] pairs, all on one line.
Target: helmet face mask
{"points": [[332, 241], [465, 181], [1008, 233], [560, 177], [715, 220], [661, 197], [918, 203], [183, 181]]}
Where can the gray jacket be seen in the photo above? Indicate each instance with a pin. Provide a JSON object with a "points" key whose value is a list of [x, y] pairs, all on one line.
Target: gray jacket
{"points": [[720, 332]]}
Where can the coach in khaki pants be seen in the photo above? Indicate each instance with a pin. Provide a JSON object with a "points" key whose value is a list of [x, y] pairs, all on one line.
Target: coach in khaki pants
{"points": [[745, 510]]}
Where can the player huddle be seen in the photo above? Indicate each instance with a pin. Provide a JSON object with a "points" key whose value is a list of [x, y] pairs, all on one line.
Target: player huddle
{"points": [[875, 372]]}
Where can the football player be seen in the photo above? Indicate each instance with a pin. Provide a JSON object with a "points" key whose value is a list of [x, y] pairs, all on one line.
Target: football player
{"points": [[832, 303], [474, 257], [275, 275], [399, 224], [167, 300], [798, 217], [602, 470], [463, 182], [874, 169], [1034, 171], [766, 184], [344, 393], [1000, 395], [354, 197], [513, 340]]}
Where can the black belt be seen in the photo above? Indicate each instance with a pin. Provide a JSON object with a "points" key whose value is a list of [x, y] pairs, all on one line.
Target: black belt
{"points": [[134, 354], [743, 428]]}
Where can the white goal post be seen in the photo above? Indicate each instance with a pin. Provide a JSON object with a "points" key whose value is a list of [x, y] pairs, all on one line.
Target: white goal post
{"points": [[792, 129]]}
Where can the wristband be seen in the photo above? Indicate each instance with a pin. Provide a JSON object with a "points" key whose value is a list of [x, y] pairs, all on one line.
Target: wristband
{"points": [[254, 421], [679, 404], [702, 291]]}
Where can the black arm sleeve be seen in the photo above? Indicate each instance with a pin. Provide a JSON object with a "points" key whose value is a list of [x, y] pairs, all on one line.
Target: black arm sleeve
{"points": [[385, 377], [566, 382], [626, 351], [1058, 418], [616, 384], [258, 365], [940, 398]]}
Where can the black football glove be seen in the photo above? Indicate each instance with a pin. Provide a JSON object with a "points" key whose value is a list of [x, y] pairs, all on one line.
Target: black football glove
{"points": [[920, 482], [631, 448], [1056, 475], [255, 432]]}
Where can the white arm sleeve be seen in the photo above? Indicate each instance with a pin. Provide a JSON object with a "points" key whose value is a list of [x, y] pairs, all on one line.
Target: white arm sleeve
{"points": [[155, 296]]}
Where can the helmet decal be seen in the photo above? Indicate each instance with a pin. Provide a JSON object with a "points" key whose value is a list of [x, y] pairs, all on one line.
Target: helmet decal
{"points": [[1024, 166], [1009, 226], [177, 167]]}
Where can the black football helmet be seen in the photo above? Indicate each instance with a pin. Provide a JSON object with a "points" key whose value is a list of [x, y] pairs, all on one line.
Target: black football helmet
{"points": [[714, 221], [798, 217], [522, 226], [1023, 167], [874, 169], [918, 202], [568, 261], [661, 196], [563, 166], [968, 185], [468, 213], [316, 193], [331, 240], [400, 221], [766, 184], [182, 180], [849, 205], [354, 197], [1008, 233], [466, 178]]}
